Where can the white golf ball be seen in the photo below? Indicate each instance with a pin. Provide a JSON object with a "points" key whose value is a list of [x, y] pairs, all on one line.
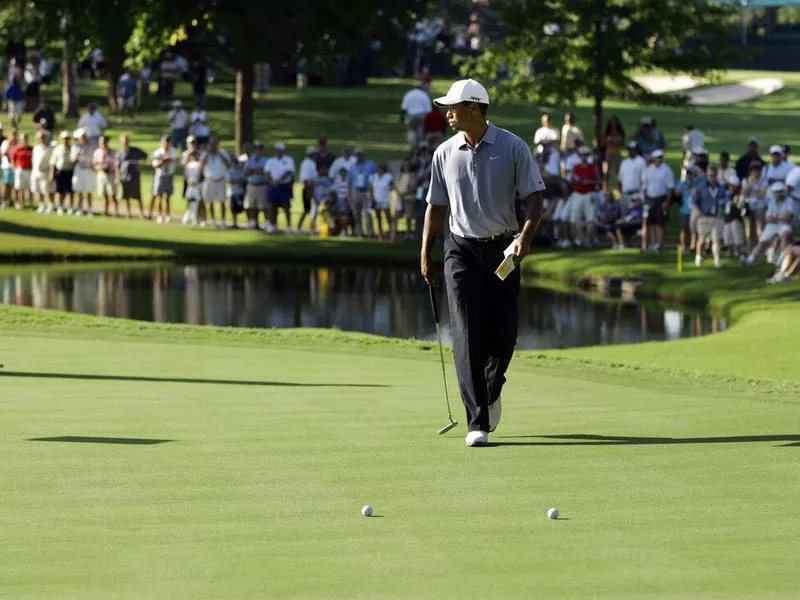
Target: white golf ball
{"points": [[367, 511], [552, 513]]}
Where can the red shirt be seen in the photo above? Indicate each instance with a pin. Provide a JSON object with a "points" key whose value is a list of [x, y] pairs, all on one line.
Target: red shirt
{"points": [[585, 172], [22, 157], [434, 122]]}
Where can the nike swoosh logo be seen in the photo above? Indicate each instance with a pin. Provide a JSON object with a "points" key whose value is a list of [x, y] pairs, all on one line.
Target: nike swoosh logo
{"points": [[493, 157]]}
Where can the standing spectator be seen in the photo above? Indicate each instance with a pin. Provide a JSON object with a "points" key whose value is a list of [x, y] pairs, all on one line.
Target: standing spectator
{"points": [[342, 213], [778, 228], [129, 163], [659, 181], [236, 183], [405, 186], [83, 176], [685, 188], [15, 98], [167, 74], [45, 70], [743, 164], [710, 198], [127, 87], [199, 128], [322, 185], [415, 105], [302, 74], [104, 163], [345, 161], [40, 172], [213, 168], [434, 126], [192, 175], [614, 142], [22, 159], [280, 173], [44, 118], [61, 173], [323, 155], [255, 195], [93, 123], [754, 193], [692, 138], [733, 231], [308, 172], [649, 138], [178, 124], [380, 196], [8, 167], [163, 161], [778, 168], [727, 173], [360, 174], [547, 136], [32, 85], [586, 179], [570, 133], [631, 176], [786, 150]]}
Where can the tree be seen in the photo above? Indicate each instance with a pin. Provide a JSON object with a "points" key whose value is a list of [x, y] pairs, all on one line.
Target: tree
{"points": [[556, 51]]}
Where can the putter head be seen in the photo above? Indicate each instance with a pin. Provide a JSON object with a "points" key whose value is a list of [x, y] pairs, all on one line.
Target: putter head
{"points": [[447, 428]]}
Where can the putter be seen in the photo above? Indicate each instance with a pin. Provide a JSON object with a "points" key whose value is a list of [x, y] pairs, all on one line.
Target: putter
{"points": [[435, 309]]}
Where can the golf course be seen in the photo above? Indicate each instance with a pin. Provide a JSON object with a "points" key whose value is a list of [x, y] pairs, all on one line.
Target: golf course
{"points": [[148, 460]]}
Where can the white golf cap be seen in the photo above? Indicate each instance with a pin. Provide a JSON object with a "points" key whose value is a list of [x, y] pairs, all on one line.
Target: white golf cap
{"points": [[176, 103], [753, 140], [776, 149], [778, 186], [465, 90], [632, 145], [311, 150], [657, 153], [583, 150], [79, 132], [279, 146], [701, 151], [64, 134]]}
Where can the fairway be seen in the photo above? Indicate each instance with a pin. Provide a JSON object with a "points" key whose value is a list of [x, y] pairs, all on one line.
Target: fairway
{"points": [[188, 462]]}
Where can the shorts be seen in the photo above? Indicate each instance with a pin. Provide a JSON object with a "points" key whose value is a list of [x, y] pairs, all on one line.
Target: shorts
{"points": [[733, 233], [772, 230], [8, 175], [693, 219], [685, 222], [709, 228], [163, 184], [22, 179], [583, 208], [106, 184], [64, 182], [563, 211], [280, 195], [237, 203], [82, 181], [656, 214], [255, 196], [15, 109], [308, 193], [131, 190], [214, 191], [40, 183], [126, 102], [194, 192]]}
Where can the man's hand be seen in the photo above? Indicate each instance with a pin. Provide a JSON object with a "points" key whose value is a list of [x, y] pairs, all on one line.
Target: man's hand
{"points": [[426, 268], [521, 248]]}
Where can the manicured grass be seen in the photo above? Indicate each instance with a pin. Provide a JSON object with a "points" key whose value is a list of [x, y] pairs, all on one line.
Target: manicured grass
{"points": [[674, 466]]}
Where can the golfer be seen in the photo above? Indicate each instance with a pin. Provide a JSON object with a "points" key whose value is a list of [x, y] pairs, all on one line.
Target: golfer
{"points": [[477, 174]]}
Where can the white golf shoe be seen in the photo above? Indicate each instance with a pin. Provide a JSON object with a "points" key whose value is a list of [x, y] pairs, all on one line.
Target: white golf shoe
{"points": [[495, 412], [477, 438]]}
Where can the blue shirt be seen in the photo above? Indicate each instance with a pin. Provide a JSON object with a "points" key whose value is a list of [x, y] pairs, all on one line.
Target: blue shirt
{"points": [[235, 173], [686, 187], [256, 163], [710, 202], [322, 187], [127, 86], [360, 173], [13, 92]]}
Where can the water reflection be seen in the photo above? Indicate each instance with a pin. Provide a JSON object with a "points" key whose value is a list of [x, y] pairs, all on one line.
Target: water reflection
{"points": [[382, 301]]}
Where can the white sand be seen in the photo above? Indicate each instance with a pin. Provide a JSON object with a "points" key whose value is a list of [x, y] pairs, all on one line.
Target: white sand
{"points": [[662, 84], [749, 89]]}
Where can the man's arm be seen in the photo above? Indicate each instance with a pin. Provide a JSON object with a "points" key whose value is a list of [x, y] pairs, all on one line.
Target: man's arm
{"points": [[533, 217], [434, 223]]}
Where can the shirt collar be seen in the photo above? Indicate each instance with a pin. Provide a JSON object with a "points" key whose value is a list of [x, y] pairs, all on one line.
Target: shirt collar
{"points": [[490, 137]]}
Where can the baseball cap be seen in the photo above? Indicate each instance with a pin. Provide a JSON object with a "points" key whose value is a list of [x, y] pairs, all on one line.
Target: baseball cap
{"points": [[465, 90], [279, 146], [311, 150], [583, 150], [646, 121], [701, 151], [176, 103], [359, 151], [753, 140], [64, 135], [775, 149], [657, 153], [322, 140], [778, 186], [632, 145], [79, 132]]}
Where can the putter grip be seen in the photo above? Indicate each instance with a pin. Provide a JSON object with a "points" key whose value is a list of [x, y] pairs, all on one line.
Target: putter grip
{"points": [[434, 304]]}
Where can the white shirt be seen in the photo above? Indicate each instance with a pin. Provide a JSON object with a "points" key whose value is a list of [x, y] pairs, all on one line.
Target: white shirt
{"points": [[191, 171], [81, 154], [728, 176], [41, 158], [342, 163], [545, 135], [178, 118], [199, 115], [416, 102], [93, 124], [381, 188], [569, 164], [277, 167], [779, 173], [631, 173], [693, 140], [215, 167], [167, 168], [553, 165], [5, 150], [658, 180], [308, 170], [774, 209], [792, 181]]}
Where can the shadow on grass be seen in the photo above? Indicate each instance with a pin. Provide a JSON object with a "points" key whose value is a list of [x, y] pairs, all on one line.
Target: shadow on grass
{"points": [[80, 439], [78, 376], [583, 439]]}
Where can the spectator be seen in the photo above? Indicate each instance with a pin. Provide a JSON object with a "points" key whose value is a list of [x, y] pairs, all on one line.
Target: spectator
{"points": [[659, 180], [632, 221], [83, 176], [167, 74], [192, 174], [44, 118], [321, 185], [547, 135], [434, 126], [687, 223], [104, 163], [236, 183], [145, 75], [733, 232], [323, 155], [570, 134], [32, 85], [178, 124], [415, 105], [778, 168], [609, 217], [786, 150], [200, 83], [754, 192], [360, 174], [8, 167], [631, 176], [127, 87], [93, 123], [163, 161], [614, 142], [405, 186], [727, 173], [129, 163], [40, 172], [700, 159], [280, 172], [345, 161], [381, 184], [22, 159], [692, 138], [710, 199], [213, 168], [255, 198], [778, 228], [586, 179], [789, 264], [308, 172], [649, 139], [302, 74], [61, 173], [15, 98], [199, 128], [743, 164], [342, 212]]}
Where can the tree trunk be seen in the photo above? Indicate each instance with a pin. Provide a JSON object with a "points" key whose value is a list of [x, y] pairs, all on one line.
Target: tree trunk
{"points": [[69, 79], [599, 75], [113, 73], [243, 108]]}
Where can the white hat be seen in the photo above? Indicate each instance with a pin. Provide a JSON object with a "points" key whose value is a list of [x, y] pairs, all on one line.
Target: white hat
{"points": [[79, 132], [701, 151], [358, 151], [656, 153], [176, 103], [753, 140], [63, 135], [646, 121], [311, 150], [465, 90], [583, 150], [778, 186], [775, 149], [632, 145], [279, 146]]}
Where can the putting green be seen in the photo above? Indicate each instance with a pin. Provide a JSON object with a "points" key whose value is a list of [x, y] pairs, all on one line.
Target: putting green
{"points": [[674, 466]]}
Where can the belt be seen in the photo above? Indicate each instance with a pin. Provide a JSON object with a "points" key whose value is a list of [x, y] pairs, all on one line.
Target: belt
{"points": [[506, 235]]}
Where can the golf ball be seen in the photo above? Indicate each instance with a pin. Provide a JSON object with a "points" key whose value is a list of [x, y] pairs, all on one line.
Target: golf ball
{"points": [[551, 514], [367, 511]]}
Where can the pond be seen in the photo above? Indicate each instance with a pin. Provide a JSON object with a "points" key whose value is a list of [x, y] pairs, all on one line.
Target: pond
{"points": [[387, 302]]}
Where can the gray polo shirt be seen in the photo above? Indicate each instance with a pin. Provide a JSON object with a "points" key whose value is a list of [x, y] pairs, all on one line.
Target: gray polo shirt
{"points": [[480, 184]]}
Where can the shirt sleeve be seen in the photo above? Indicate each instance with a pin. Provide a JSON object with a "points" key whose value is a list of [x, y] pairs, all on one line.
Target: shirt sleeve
{"points": [[437, 191], [526, 172]]}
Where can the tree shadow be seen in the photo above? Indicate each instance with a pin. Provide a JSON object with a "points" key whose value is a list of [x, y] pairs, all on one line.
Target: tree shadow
{"points": [[80, 439], [584, 439], [79, 376]]}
